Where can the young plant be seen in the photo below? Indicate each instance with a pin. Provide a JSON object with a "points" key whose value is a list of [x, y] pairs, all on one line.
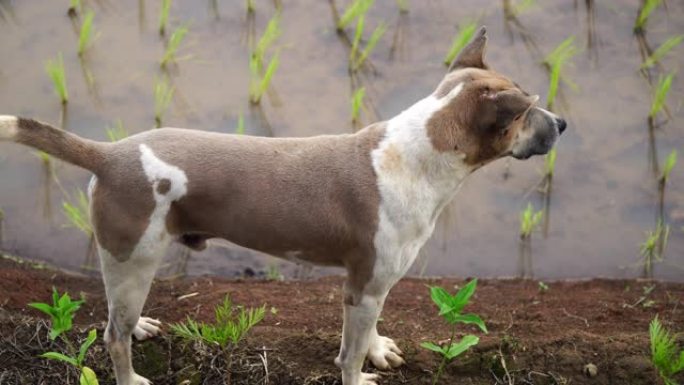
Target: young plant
{"points": [[357, 59], [403, 6], [450, 308], [240, 129], [55, 69], [357, 103], [550, 163], [465, 33], [660, 94], [85, 37], [662, 51], [61, 314], [164, 16], [646, 10], [74, 7], [664, 352], [555, 61], [273, 273], [172, 46], [229, 328], [117, 132], [251, 8], [529, 220], [653, 247], [260, 79], [355, 9], [163, 94], [78, 213]]}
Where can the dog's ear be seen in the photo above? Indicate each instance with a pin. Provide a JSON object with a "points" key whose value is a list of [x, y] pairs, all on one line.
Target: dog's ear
{"points": [[472, 55]]}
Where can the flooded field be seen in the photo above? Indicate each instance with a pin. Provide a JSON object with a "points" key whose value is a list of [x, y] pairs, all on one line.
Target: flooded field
{"points": [[605, 190]]}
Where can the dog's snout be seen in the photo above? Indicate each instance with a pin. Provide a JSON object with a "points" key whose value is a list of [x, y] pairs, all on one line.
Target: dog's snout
{"points": [[562, 125]]}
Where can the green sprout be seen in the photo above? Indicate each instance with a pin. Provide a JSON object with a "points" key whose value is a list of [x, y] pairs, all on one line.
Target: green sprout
{"points": [[403, 6], [450, 308], [670, 162], [78, 213], [529, 220], [74, 7], [662, 51], [357, 103], [240, 129], [555, 61], [85, 37], [117, 132], [357, 59], [355, 9], [273, 273], [653, 247], [543, 287], [251, 8], [61, 314], [55, 69], [648, 8], [164, 16], [172, 46], [163, 94], [464, 35], [550, 162], [522, 6], [660, 94], [664, 352], [260, 79]]}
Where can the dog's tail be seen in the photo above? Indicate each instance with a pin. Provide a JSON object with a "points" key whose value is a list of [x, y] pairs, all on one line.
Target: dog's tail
{"points": [[71, 148]]}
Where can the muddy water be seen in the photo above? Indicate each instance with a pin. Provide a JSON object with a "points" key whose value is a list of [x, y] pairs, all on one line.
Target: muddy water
{"points": [[604, 192]]}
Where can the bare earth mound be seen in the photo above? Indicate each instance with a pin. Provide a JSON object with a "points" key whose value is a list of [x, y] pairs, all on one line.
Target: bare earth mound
{"points": [[542, 337]]}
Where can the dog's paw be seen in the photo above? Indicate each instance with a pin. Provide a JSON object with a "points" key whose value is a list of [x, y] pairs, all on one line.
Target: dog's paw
{"points": [[140, 380], [146, 328], [369, 379], [384, 353]]}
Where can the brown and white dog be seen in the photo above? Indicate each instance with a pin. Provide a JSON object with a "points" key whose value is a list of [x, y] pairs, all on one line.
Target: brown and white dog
{"points": [[366, 201]]}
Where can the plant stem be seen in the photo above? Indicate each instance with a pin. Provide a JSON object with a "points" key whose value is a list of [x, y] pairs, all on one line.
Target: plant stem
{"points": [[442, 365]]}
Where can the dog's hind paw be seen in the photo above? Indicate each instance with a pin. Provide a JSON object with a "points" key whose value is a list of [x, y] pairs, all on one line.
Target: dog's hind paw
{"points": [[140, 380], [369, 379], [384, 353], [146, 328]]}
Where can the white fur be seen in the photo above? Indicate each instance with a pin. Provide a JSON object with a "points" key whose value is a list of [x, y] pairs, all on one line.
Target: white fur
{"points": [[8, 127]]}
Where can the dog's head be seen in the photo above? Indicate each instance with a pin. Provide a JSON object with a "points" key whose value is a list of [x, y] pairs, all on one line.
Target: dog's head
{"points": [[485, 115]]}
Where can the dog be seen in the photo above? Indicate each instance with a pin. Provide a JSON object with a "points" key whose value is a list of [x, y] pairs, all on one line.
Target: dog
{"points": [[366, 201]]}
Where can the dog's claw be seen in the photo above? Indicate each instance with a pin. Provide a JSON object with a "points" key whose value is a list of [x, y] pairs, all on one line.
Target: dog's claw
{"points": [[146, 328], [140, 380], [369, 378], [385, 354]]}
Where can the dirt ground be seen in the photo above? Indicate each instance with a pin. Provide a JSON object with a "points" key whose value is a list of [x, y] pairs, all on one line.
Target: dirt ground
{"points": [[536, 336]]}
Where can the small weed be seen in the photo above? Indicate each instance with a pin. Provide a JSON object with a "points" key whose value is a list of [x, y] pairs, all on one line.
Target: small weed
{"points": [[357, 103], [85, 37], [670, 162], [529, 220], [55, 69], [117, 132], [355, 9], [653, 247], [665, 356], [555, 61], [464, 35], [660, 94], [240, 129], [273, 273], [403, 6], [450, 307], [662, 51], [260, 79], [164, 16], [172, 46], [648, 8], [357, 59], [61, 314], [79, 213], [163, 94], [550, 162], [543, 287]]}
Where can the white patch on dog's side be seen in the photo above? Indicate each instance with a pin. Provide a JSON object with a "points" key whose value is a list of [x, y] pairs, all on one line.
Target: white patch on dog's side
{"points": [[415, 183], [8, 127]]}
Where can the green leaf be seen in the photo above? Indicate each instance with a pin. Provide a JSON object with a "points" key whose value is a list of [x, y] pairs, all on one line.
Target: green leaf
{"points": [[471, 319], [45, 308], [92, 335], [60, 357], [88, 377], [458, 348], [465, 293], [433, 347]]}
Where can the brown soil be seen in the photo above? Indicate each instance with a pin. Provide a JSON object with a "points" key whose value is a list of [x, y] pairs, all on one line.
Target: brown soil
{"points": [[543, 337]]}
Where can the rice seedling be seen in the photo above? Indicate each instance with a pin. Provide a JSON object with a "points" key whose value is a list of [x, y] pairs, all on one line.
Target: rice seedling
{"points": [[164, 16], [75, 6], [662, 51], [665, 354], [61, 314], [648, 7], [240, 129], [660, 95], [669, 164], [652, 248], [163, 94], [357, 59], [78, 213], [465, 33], [522, 6], [231, 324], [44, 157], [172, 46], [273, 273], [55, 69], [555, 61], [251, 8], [117, 132], [529, 220], [403, 6], [355, 9], [260, 79], [550, 163], [357, 103], [85, 37], [450, 308]]}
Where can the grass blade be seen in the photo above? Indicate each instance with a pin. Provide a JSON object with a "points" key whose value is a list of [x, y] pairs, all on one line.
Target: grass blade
{"points": [[462, 38]]}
